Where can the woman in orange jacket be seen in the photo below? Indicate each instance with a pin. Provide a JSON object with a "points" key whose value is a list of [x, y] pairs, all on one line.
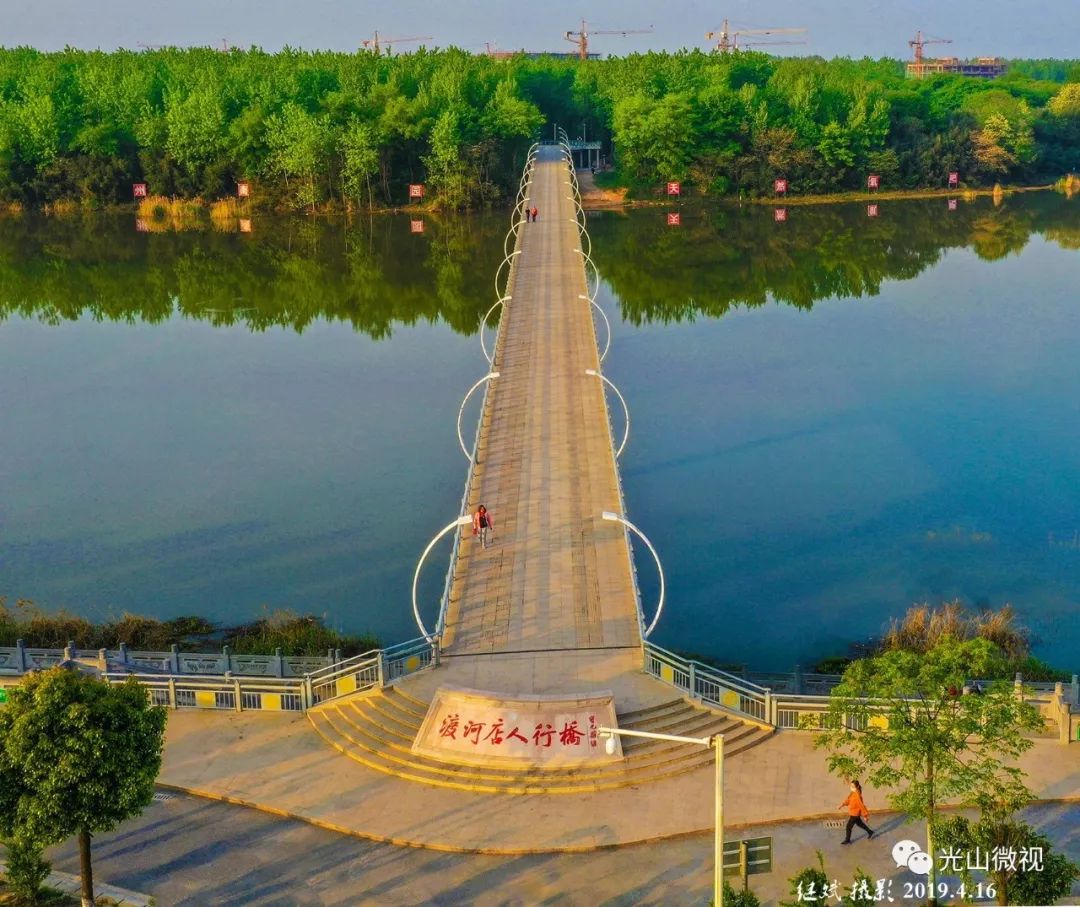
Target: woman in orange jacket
{"points": [[857, 812]]}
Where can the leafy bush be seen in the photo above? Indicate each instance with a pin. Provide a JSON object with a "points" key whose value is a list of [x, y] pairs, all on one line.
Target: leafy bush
{"points": [[292, 633], [26, 870]]}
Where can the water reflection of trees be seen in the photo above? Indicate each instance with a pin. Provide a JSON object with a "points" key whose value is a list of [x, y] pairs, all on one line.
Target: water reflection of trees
{"points": [[372, 274], [375, 273], [731, 256]]}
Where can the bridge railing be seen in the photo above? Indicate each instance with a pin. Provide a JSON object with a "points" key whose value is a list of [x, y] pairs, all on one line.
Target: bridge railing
{"points": [[231, 690], [20, 658], [377, 668], [708, 684], [1056, 702]]}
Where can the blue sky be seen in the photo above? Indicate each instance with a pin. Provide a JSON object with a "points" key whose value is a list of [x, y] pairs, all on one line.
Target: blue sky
{"points": [[1012, 28]]}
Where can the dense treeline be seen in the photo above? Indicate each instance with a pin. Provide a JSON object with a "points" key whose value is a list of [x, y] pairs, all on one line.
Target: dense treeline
{"points": [[316, 127]]}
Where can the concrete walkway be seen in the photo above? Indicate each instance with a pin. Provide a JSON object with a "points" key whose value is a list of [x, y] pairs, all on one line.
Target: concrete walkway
{"points": [[279, 764], [557, 576]]}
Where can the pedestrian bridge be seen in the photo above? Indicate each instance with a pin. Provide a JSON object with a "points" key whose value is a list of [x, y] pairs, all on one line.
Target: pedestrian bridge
{"points": [[557, 576]]}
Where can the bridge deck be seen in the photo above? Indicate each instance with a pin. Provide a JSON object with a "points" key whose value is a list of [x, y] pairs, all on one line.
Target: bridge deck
{"points": [[557, 576]]}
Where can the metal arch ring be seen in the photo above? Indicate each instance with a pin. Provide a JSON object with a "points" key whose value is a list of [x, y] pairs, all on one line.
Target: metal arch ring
{"points": [[603, 314], [483, 327], [585, 235], [596, 272], [659, 568], [622, 400], [513, 231], [498, 273], [460, 521], [488, 377]]}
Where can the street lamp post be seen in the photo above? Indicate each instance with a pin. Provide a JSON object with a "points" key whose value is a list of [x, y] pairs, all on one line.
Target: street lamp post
{"points": [[716, 744]]}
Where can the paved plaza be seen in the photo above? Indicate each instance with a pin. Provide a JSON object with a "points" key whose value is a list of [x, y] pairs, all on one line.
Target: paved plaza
{"points": [[188, 852]]}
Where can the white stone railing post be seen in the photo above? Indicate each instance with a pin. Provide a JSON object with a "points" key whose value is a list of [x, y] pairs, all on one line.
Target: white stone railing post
{"points": [[174, 658], [20, 652]]}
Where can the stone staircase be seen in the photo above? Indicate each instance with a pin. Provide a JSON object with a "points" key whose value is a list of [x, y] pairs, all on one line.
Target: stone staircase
{"points": [[377, 729]]}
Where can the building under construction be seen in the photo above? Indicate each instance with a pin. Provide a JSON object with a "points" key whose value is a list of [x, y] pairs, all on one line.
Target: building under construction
{"points": [[980, 67], [921, 67]]}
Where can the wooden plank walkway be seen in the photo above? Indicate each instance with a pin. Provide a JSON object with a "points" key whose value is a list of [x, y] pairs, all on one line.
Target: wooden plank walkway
{"points": [[557, 576]]}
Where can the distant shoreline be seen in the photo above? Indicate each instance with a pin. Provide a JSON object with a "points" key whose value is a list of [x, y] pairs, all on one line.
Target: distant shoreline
{"points": [[609, 203]]}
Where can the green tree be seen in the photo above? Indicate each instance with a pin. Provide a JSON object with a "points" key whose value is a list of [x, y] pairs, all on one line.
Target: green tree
{"points": [[359, 146], [77, 757], [1066, 103], [299, 145], [900, 721], [445, 165], [1021, 881]]}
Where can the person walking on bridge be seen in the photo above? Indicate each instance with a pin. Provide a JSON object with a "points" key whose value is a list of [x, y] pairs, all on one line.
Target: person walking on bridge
{"points": [[482, 525], [534, 213], [857, 812]]}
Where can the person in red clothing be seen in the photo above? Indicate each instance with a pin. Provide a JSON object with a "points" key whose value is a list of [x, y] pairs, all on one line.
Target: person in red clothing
{"points": [[857, 812], [534, 213], [482, 525]]}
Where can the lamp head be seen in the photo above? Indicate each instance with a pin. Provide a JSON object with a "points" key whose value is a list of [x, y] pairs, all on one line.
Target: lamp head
{"points": [[609, 745], [609, 515]]}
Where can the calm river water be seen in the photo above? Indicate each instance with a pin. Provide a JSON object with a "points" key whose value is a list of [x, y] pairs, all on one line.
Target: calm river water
{"points": [[833, 416]]}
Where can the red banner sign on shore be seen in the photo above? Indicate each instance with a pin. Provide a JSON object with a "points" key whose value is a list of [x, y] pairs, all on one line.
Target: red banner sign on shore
{"points": [[873, 181], [780, 186], [780, 215], [416, 190], [243, 189], [954, 178], [871, 210], [674, 188], [138, 190], [674, 219]]}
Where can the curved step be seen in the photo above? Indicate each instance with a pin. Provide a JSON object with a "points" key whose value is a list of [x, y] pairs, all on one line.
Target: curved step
{"points": [[350, 723], [377, 729]]}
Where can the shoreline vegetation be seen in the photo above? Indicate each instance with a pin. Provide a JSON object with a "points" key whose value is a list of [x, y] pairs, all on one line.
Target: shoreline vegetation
{"points": [[293, 633], [311, 130], [159, 214], [919, 630], [922, 627]]}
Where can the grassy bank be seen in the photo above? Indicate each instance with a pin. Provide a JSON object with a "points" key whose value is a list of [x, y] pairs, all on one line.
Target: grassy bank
{"points": [[894, 195], [293, 633], [923, 626]]}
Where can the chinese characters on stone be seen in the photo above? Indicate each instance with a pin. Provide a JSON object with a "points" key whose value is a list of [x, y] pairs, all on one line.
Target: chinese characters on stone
{"points": [[499, 733]]}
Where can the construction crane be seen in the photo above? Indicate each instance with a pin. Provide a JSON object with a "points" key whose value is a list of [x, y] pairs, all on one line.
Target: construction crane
{"points": [[728, 41], [918, 42], [377, 41], [581, 38], [763, 43]]}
